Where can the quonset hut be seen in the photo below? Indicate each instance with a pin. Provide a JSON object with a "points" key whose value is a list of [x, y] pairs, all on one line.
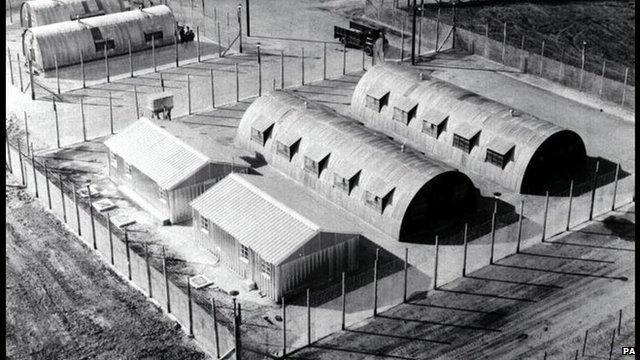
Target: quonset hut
{"points": [[468, 131], [44, 12], [86, 39], [400, 193]]}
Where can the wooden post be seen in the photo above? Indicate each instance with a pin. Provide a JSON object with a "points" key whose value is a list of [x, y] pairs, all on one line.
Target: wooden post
{"points": [[84, 127], [213, 94], [302, 64], [10, 13], [215, 326], [259, 72], [520, 216], [604, 65], [493, 233], [619, 321], [46, 180], [546, 210], [33, 163], [406, 273], [464, 253], [10, 65], [135, 99], [189, 93], [541, 58], [106, 63], [562, 65], [64, 206], [111, 113], [198, 43], [75, 201], [584, 43], [570, 203], [284, 328], [162, 82], [146, 260], [324, 61], [437, 29], [175, 45], [166, 282], [237, 83], [126, 243], [55, 62], [130, 59], [615, 188], [8, 153], [189, 307], [613, 338], [344, 301], [584, 344], [404, 20], [435, 266], [31, 81], [55, 113], [26, 132], [82, 70], [576, 356], [522, 54], [153, 53], [20, 73], [375, 283], [593, 189], [420, 27], [219, 41], [281, 69], [240, 29], [237, 319], [308, 317], [363, 67], [110, 239], [624, 88], [504, 40], [22, 174], [344, 59], [93, 226]]}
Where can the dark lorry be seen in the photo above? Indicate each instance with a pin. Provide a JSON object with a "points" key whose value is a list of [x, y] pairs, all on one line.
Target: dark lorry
{"points": [[358, 36]]}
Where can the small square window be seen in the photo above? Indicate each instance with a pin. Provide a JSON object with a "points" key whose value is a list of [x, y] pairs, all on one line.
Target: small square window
{"points": [[497, 159], [341, 183], [244, 253], [204, 224], [311, 166], [404, 116], [265, 269], [376, 104], [256, 135], [154, 35], [373, 200], [434, 130], [162, 194], [283, 150], [464, 144]]}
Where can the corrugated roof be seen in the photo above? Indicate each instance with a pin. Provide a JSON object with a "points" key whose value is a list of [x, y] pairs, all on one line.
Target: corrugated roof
{"points": [[262, 123], [288, 138], [254, 218], [378, 93], [155, 152], [346, 169], [500, 145], [379, 187], [434, 116], [405, 104], [467, 130], [317, 152]]}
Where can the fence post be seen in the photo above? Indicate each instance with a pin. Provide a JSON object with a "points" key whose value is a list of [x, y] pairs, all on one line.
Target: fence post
{"points": [[55, 62], [584, 344], [522, 54], [10, 65], [541, 58], [46, 180], [375, 283], [166, 281], [153, 53], [363, 66], [284, 328], [215, 326], [308, 317], [93, 227], [324, 61], [613, 338], [84, 127], [240, 29], [546, 210], [259, 72], [198, 43], [420, 27], [20, 74], [130, 59], [344, 59], [175, 45], [26, 131], [619, 321], [593, 189], [33, 163], [562, 65], [344, 301], [486, 40], [6, 137], [615, 187], [64, 206], [464, 253], [520, 216], [219, 41], [437, 29], [31, 80], [281, 69], [406, 273], [110, 239], [504, 41], [584, 43], [604, 65], [435, 267], [110, 113], [22, 174], [302, 64], [10, 13], [189, 307], [493, 231], [146, 260], [135, 98], [213, 94], [75, 201], [404, 19], [126, 243], [106, 63], [189, 93], [237, 83], [570, 203], [236, 329], [624, 88]]}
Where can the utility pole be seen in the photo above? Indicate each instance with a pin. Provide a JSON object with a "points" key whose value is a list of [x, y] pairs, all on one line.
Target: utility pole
{"points": [[248, 22], [413, 33]]}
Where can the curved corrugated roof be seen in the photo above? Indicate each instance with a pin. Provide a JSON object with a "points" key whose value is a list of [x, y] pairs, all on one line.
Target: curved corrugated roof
{"points": [[382, 168], [67, 40], [44, 12], [161, 156], [467, 113]]}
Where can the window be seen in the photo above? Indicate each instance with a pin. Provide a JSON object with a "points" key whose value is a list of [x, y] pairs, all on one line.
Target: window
{"points": [[376, 103], [283, 150], [341, 183], [373, 200], [100, 44], [113, 160], [404, 116], [265, 269], [434, 130], [312, 166], [204, 224], [154, 35], [498, 159], [244, 253], [128, 170], [162, 194], [260, 136], [464, 144]]}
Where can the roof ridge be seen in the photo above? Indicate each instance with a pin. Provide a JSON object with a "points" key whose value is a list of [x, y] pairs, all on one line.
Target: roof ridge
{"points": [[176, 139], [274, 201]]}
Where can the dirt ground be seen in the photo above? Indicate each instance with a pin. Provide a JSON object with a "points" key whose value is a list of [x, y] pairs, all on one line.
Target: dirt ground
{"points": [[539, 301], [63, 302]]}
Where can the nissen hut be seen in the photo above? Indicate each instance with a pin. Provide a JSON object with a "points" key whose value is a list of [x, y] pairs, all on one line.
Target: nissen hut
{"points": [[44, 12]]}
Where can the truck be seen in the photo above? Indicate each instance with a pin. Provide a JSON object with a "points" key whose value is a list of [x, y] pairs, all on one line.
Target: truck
{"points": [[358, 36]]}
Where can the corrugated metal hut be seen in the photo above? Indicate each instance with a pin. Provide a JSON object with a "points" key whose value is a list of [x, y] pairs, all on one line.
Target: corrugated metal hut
{"points": [[160, 171], [44, 12], [468, 131], [398, 192], [88, 38], [272, 232]]}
